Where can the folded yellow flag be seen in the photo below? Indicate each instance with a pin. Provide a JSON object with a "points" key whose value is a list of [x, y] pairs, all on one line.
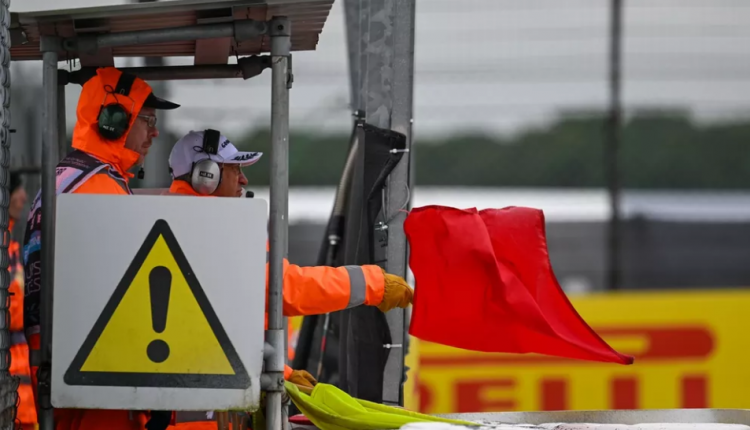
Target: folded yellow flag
{"points": [[330, 408]]}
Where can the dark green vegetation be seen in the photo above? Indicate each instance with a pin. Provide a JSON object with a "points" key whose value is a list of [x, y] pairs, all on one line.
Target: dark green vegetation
{"points": [[658, 151]]}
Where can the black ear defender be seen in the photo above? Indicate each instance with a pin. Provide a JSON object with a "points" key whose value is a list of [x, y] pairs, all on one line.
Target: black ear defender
{"points": [[205, 176], [114, 118]]}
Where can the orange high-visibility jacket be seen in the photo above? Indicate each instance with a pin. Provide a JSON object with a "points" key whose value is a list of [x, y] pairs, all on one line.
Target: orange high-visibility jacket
{"points": [[96, 166], [19, 350], [321, 289], [311, 291]]}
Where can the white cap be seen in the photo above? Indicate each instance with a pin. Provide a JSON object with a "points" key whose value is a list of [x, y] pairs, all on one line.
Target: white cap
{"points": [[189, 150]]}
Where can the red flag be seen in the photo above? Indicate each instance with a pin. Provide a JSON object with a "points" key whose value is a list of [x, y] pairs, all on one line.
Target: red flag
{"points": [[484, 282]]}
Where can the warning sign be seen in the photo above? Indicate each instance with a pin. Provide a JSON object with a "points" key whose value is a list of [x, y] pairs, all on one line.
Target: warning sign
{"points": [[174, 337], [159, 302]]}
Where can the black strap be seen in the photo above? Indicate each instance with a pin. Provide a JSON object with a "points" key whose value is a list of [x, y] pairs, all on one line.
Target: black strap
{"points": [[124, 84], [211, 141], [82, 161]]}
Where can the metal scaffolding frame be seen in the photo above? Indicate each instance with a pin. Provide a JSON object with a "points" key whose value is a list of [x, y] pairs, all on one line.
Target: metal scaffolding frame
{"points": [[276, 31]]}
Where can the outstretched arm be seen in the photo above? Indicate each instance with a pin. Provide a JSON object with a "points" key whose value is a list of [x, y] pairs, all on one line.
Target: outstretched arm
{"points": [[322, 289]]}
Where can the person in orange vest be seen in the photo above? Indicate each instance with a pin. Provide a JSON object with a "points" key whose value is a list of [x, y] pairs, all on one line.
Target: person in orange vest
{"points": [[19, 349], [115, 127], [206, 163]]}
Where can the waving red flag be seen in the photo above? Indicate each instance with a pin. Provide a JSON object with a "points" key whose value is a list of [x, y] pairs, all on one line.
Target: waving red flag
{"points": [[484, 282]]}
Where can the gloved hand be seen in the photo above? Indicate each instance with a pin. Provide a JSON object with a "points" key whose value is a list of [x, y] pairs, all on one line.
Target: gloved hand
{"points": [[303, 378], [397, 293]]}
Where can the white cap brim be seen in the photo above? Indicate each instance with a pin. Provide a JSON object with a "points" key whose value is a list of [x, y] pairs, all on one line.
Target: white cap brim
{"points": [[244, 159]]}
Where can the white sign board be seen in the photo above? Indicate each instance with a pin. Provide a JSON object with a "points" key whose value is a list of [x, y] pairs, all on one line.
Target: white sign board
{"points": [[158, 302]]}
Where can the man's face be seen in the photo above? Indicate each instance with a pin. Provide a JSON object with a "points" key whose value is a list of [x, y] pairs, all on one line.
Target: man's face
{"points": [[232, 181], [17, 203], [141, 134]]}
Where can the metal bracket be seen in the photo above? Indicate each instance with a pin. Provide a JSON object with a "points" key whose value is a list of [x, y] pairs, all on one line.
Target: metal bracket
{"points": [[87, 44], [380, 239], [254, 65], [44, 376], [397, 151], [272, 381], [280, 26]]}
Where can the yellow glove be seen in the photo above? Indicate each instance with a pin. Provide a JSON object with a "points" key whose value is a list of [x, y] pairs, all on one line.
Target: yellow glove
{"points": [[397, 293], [302, 378]]}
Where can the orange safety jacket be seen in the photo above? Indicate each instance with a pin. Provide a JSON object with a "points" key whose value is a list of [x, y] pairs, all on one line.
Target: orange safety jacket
{"points": [[96, 166], [19, 349], [312, 290], [321, 289]]}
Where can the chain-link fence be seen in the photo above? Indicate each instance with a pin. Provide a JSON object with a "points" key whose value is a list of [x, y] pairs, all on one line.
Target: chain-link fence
{"points": [[8, 383]]}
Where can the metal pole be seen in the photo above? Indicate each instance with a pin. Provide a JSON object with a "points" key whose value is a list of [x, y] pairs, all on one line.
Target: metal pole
{"points": [[240, 30], [611, 150], [248, 67], [398, 190], [280, 83], [351, 20], [8, 383], [385, 84], [612, 147], [50, 46]]}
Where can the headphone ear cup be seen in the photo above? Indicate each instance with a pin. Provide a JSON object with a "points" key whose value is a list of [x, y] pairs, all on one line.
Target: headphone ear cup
{"points": [[114, 121], [206, 177]]}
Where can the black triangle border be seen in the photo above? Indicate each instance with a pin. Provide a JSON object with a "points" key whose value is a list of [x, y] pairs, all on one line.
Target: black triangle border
{"points": [[74, 375]]}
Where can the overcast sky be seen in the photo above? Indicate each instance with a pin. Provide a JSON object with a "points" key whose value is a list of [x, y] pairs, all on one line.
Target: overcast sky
{"points": [[502, 65]]}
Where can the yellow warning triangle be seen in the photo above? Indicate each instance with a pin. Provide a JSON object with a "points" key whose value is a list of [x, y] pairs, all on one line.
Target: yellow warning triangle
{"points": [[158, 328]]}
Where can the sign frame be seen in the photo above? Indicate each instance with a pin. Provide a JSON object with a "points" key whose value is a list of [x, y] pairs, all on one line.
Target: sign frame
{"points": [[220, 242]]}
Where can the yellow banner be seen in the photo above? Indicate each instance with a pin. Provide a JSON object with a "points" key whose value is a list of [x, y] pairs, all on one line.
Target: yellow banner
{"points": [[690, 351]]}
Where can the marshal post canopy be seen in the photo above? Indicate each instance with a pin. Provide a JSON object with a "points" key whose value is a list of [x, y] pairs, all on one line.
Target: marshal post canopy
{"points": [[96, 35]]}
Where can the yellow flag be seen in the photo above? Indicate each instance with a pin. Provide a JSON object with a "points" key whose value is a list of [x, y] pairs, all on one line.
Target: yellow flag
{"points": [[330, 408]]}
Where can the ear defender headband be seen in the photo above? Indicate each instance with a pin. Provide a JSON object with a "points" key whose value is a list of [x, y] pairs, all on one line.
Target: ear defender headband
{"points": [[205, 176], [114, 118]]}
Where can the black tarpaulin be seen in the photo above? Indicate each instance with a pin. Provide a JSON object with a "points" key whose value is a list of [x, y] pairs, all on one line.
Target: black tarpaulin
{"points": [[354, 356]]}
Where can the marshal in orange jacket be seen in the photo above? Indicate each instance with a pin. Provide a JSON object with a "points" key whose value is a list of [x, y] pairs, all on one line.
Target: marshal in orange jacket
{"points": [[97, 165]]}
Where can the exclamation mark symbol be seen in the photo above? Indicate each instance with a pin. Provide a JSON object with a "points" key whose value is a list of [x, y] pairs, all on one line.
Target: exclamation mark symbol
{"points": [[160, 284]]}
